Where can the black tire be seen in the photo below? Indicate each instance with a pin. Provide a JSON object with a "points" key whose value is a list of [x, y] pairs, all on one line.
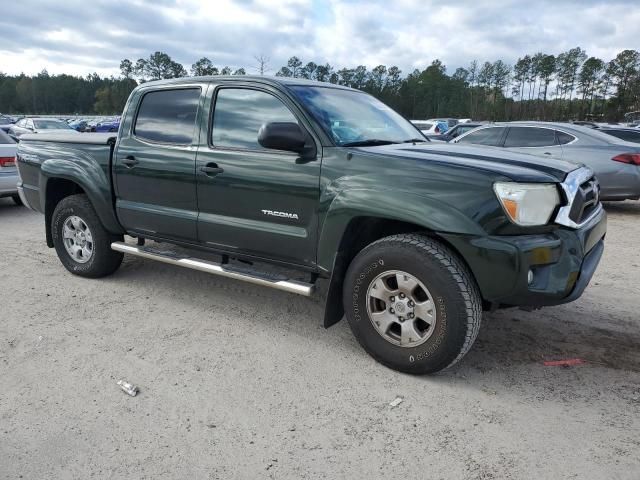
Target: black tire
{"points": [[17, 200], [103, 260], [456, 298]]}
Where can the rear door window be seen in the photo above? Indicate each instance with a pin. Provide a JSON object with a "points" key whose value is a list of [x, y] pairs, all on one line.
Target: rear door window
{"points": [[485, 136], [530, 137], [168, 116]]}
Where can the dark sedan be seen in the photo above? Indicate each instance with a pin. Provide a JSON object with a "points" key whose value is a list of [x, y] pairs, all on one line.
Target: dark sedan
{"points": [[623, 133]]}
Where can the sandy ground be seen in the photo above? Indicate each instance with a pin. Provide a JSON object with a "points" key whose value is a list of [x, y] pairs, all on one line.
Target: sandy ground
{"points": [[239, 381]]}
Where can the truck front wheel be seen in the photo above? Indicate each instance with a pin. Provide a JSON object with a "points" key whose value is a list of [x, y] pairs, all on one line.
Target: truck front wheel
{"points": [[82, 243], [412, 304]]}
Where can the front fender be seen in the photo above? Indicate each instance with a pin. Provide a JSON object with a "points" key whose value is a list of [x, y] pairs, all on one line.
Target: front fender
{"points": [[422, 210]]}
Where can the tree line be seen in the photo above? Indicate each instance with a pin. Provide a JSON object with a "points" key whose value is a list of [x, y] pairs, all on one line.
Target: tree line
{"points": [[567, 86]]}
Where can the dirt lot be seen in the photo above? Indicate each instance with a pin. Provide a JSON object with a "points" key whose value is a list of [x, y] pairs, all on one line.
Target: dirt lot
{"points": [[239, 381]]}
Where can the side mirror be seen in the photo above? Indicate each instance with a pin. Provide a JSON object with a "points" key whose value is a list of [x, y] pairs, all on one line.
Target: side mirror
{"points": [[286, 136]]}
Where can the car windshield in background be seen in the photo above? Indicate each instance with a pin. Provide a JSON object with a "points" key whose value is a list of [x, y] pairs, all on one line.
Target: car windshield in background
{"points": [[423, 126], [50, 125], [353, 118]]}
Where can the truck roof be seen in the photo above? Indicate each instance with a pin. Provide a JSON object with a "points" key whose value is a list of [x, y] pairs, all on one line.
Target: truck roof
{"points": [[264, 79]]}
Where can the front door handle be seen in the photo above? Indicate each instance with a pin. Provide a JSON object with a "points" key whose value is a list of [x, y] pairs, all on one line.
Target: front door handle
{"points": [[548, 153], [130, 161], [211, 169]]}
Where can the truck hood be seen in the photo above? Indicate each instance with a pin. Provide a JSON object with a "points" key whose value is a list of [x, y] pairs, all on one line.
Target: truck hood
{"points": [[516, 166]]}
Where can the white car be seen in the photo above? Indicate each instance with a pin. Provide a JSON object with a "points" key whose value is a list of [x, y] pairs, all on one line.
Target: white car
{"points": [[431, 128], [8, 171]]}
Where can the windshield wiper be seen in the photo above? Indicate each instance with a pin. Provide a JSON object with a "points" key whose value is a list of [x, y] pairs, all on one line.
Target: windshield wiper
{"points": [[371, 142], [416, 140]]}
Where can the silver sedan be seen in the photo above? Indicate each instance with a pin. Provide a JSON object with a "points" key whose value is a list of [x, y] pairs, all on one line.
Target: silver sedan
{"points": [[8, 170], [615, 162]]}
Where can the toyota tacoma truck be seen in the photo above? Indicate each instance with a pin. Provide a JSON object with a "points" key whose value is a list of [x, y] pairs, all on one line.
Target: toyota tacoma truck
{"points": [[415, 240]]}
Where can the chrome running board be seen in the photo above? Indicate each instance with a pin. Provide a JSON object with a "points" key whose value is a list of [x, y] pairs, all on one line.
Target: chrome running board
{"points": [[279, 282]]}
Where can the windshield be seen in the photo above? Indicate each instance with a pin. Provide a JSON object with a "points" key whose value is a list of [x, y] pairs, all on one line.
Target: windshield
{"points": [[352, 117], [50, 125]]}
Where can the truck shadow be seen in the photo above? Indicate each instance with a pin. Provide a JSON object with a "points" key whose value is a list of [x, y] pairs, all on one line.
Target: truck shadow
{"points": [[627, 208], [514, 337]]}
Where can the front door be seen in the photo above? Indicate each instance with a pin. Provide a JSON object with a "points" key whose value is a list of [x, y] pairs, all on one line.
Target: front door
{"points": [[254, 200], [154, 165]]}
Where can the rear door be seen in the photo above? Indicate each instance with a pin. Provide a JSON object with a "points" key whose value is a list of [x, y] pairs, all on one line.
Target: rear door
{"points": [[252, 200], [154, 163], [534, 140]]}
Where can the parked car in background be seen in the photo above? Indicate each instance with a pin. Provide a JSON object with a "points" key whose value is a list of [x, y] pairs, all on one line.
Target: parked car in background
{"points": [[458, 130], [449, 121], [8, 170], [627, 134], [585, 123], [431, 128], [38, 125], [78, 125], [91, 125], [111, 125], [615, 162], [5, 123]]}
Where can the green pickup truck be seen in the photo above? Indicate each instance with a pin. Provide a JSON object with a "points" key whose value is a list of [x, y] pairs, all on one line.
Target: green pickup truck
{"points": [[416, 239]]}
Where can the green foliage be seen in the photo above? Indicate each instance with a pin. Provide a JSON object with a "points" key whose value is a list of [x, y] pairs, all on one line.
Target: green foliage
{"points": [[539, 86]]}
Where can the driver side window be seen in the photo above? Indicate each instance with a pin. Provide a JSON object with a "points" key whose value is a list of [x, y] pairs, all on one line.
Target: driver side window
{"points": [[240, 112]]}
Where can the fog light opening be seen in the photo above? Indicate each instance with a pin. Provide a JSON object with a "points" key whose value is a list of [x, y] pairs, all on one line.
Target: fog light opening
{"points": [[530, 277]]}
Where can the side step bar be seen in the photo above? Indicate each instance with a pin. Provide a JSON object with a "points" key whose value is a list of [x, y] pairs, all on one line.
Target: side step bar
{"points": [[279, 282]]}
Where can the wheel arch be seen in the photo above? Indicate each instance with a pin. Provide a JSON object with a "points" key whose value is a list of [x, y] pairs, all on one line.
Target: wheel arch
{"points": [[57, 187], [360, 232]]}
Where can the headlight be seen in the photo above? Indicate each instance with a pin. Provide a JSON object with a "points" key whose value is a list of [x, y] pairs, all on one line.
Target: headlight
{"points": [[528, 204]]}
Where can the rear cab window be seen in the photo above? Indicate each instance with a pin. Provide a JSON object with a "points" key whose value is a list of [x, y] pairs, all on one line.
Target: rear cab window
{"points": [[168, 116]]}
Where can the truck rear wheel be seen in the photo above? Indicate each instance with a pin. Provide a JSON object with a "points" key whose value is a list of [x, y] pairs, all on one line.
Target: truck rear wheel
{"points": [[412, 304], [82, 243]]}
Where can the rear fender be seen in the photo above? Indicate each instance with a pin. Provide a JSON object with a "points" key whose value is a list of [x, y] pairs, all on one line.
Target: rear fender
{"points": [[91, 178]]}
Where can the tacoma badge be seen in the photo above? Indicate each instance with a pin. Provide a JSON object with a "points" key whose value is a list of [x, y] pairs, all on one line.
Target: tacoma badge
{"points": [[292, 216]]}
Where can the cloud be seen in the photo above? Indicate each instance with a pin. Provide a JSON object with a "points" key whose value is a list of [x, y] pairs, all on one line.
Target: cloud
{"points": [[80, 37]]}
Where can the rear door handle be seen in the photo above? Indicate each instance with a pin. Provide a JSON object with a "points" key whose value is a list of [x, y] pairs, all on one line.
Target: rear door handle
{"points": [[130, 161], [548, 153], [211, 169]]}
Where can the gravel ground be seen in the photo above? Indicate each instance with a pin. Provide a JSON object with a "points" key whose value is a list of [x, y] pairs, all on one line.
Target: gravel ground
{"points": [[239, 381]]}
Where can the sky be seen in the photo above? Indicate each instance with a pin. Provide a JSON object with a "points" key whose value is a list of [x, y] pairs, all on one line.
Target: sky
{"points": [[83, 36]]}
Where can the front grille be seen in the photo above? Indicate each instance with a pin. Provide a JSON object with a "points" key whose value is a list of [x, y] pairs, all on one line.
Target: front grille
{"points": [[582, 195], [586, 201]]}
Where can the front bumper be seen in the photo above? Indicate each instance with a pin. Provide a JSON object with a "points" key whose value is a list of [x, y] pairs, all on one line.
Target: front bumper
{"points": [[562, 264]]}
